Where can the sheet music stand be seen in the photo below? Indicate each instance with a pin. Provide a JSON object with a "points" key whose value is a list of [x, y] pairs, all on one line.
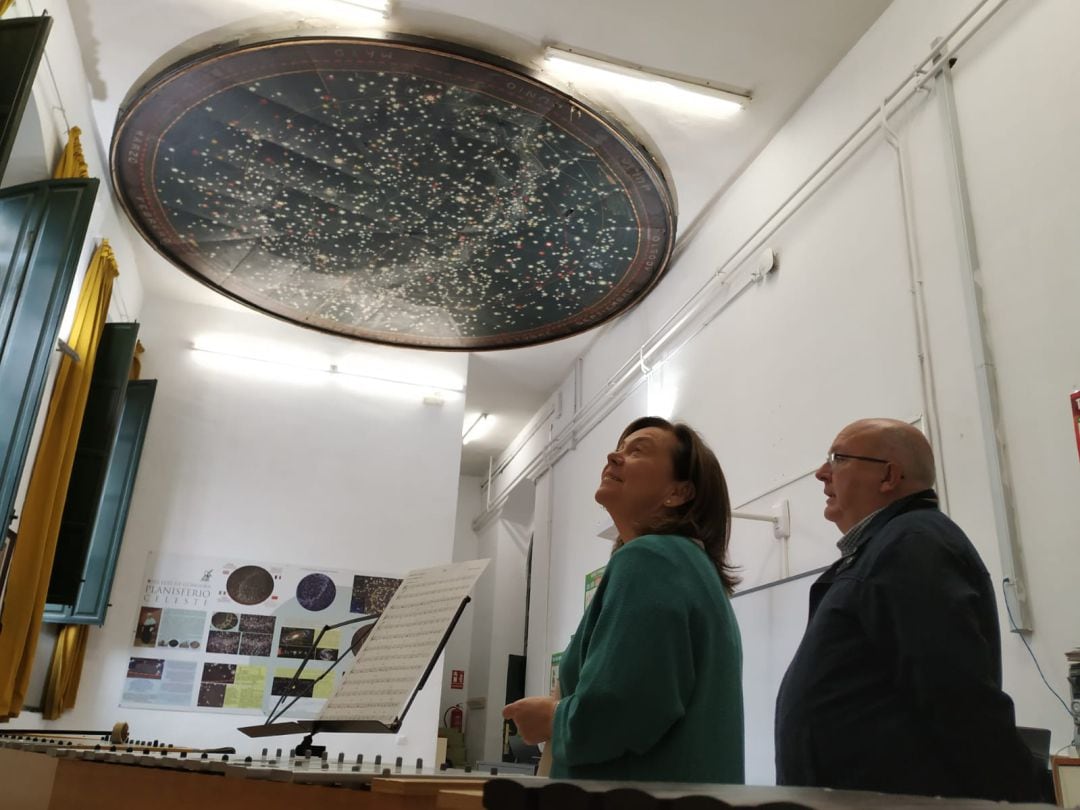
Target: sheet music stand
{"points": [[312, 727], [295, 680]]}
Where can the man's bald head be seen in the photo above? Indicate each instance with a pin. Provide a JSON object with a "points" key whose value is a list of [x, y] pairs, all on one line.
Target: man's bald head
{"points": [[872, 463], [901, 443]]}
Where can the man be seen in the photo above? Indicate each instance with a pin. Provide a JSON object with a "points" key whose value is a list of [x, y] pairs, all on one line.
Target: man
{"points": [[896, 685]]}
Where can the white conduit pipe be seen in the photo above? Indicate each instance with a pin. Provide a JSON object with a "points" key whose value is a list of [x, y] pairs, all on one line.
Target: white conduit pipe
{"points": [[918, 307], [751, 516], [615, 390], [507, 457], [550, 543], [997, 467]]}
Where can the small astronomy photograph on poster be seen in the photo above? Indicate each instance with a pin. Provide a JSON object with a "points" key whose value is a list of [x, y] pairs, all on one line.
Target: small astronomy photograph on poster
{"points": [[146, 668], [225, 621], [256, 645], [215, 677], [304, 686], [316, 592], [146, 631], [222, 642], [250, 623], [371, 595], [285, 685], [295, 642], [250, 585]]}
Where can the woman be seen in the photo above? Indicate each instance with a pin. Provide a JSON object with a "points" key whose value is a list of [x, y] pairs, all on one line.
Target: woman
{"points": [[651, 682]]}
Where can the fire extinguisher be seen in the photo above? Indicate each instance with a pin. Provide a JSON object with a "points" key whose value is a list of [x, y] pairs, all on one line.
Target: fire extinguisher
{"points": [[457, 717]]}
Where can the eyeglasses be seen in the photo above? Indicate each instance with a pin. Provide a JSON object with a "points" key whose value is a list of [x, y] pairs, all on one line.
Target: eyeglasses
{"points": [[832, 458]]}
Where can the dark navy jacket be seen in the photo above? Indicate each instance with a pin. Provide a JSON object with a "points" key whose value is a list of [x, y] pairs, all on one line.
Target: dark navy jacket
{"points": [[896, 685]]}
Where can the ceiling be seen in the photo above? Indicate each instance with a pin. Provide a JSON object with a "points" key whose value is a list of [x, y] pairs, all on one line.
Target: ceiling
{"points": [[778, 49]]}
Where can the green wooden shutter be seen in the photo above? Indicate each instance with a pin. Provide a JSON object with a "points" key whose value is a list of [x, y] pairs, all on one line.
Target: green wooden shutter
{"points": [[91, 602], [22, 42], [42, 227], [97, 437]]}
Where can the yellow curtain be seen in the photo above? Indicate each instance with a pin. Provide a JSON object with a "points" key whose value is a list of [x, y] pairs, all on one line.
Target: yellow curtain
{"points": [[71, 162], [62, 686], [65, 669], [31, 563]]}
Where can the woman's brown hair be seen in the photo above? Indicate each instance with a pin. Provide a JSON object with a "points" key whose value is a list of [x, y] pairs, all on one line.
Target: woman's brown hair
{"points": [[707, 515]]}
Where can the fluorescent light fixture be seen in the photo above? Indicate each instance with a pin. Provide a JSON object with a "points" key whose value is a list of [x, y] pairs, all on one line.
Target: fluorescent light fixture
{"points": [[282, 361], [478, 427], [260, 359], [668, 89], [256, 369]]}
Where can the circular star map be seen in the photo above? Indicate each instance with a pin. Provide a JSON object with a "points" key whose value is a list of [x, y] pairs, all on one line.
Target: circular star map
{"points": [[393, 190]]}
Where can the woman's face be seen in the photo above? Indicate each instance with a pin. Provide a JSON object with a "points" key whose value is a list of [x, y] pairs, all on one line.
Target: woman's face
{"points": [[638, 480]]}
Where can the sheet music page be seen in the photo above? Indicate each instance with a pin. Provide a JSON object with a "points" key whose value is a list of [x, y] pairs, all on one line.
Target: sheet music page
{"points": [[404, 640]]}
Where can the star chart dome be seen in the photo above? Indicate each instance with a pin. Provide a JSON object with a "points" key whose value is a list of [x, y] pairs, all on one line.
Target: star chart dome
{"points": [[399, 191]]}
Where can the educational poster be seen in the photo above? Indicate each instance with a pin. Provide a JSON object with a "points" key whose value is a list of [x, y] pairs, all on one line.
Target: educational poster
{"points": [[230, 635], [592, 582]]}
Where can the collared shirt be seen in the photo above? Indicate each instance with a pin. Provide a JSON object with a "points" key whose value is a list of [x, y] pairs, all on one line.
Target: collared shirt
{"points": [[853, 540], [850, 542]]}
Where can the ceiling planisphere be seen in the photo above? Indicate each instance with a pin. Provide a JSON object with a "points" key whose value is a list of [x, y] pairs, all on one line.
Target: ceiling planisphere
{"points": [[393, 190]]}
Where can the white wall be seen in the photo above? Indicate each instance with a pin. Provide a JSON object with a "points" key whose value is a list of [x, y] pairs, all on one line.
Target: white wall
{"points": [[771, 621], [539, 640], [830, 337], [499, 620], [459, 647], [316, 473], [1025, 183], [67, 103]]}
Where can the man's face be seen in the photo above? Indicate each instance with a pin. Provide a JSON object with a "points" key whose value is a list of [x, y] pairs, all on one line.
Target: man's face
{"points": [[853, 487]]}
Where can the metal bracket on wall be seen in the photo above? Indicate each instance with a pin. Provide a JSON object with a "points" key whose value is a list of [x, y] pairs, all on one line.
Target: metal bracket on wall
{"points": [[780, 519], [63, 347]]}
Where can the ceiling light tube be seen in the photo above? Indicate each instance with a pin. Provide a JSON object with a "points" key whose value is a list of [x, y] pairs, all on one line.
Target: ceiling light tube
{"points": [[660, 86], [331, 368]]}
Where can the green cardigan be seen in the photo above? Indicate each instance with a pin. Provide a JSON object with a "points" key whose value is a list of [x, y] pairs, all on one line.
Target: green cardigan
{"points": [[652, 679]]}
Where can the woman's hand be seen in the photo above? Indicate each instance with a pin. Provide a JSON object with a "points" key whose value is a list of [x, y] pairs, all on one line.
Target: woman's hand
{"points": [[534, 717]]}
